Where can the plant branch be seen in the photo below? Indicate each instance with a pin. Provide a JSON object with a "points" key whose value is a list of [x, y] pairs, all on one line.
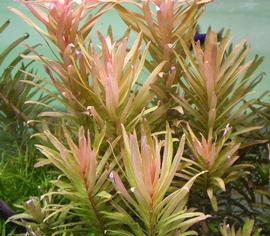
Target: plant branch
{"points": [[18, 112], [98, 216], [13, 107]]}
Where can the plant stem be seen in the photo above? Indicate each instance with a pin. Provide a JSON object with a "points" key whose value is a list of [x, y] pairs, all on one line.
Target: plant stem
{"points": [[18, 112], [98, 216], [93, 204], [152, 223], [152, 228], [13, 107]]}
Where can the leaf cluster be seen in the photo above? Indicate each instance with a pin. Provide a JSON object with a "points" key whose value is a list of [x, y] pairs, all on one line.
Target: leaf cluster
{"points": [[161, 154]]}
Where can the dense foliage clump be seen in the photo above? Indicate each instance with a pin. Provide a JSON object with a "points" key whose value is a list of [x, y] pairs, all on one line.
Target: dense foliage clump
{"points": [[149, 136]]}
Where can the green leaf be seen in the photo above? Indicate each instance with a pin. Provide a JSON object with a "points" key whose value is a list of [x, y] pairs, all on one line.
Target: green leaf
{"points": [[248, 227], [220, 183]]}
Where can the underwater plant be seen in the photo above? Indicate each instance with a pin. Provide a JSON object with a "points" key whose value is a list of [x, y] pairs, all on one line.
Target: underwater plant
{"points": [[151, 133], [19, 105], [15, 93]]}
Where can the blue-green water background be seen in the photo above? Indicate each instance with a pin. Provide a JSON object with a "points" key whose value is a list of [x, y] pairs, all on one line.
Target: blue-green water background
{"points": [[246, 18]]}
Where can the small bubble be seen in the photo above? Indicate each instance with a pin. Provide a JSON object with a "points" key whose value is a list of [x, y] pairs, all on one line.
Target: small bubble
{"points": [[71, 45], [132, 189], [161, 74], [173, 68], [111, 176], [77, 52], [30, 201], [29, 121]]}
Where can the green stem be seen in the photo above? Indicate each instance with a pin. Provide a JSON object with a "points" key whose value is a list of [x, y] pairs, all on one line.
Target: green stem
{"points": [[98, 216], [152, 230], [94, 205], [152, 227]]}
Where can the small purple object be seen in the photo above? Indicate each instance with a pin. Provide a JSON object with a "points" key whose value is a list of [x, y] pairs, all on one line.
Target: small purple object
{"points": [[200, 37], [5, 210]]}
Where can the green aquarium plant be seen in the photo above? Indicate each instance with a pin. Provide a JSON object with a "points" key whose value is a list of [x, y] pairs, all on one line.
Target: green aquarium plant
{"points": [[152, 132], [247, 230], [18, 177], [16, 94]]}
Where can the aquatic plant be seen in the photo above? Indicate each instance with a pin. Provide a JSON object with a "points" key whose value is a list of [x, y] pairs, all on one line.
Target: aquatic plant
{"points": [[161, 122]]}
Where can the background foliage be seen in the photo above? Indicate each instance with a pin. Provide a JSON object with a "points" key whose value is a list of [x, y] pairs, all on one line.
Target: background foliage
{"points": [[180, 151]]}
